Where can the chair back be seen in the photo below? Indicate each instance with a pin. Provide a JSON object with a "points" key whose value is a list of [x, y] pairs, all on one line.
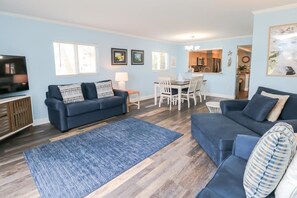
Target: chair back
{"points": [[199, 83], [193, 84], [165, 85]]}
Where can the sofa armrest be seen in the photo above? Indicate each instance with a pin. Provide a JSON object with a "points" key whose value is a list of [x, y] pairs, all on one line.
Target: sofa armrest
{"points": [[292, 122], [233, 105], [244, 145], [121, 93], [55, 104]]}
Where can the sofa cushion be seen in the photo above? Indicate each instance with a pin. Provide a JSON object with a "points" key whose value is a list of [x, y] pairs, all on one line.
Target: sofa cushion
{"points": [[71, 93], [104, 89], [289, 111], [277, 109], [219, 129], [228, 180], [259, 127], [269, 160], [108, 102], [89, 90], [77, 108], [259, 107]]}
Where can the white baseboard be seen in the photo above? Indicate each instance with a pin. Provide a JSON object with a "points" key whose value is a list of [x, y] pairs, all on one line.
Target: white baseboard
{"points": [[220, 95], [134, 99], [40, 121]]}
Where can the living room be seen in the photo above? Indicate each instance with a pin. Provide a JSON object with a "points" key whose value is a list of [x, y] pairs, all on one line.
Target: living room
{"points": [[33, 35]]}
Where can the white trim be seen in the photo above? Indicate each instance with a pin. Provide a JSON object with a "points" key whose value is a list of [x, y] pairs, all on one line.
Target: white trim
{"points": [[84, 26], [220, 95], [40, 121], [143, 98], [219, 39], [279, 8]]}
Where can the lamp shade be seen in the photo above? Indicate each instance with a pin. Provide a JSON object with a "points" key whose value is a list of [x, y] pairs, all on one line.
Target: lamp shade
{"points": [[121, 76]]}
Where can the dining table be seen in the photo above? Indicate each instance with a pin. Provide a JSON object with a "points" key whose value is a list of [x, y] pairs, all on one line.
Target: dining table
{"points": [[179, 85]]}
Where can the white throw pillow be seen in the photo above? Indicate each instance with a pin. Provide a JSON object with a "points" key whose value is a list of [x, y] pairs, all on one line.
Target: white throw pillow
{"points": [[71, 93], [287, 187], [104, 89], [269, 161], [277, 109]]}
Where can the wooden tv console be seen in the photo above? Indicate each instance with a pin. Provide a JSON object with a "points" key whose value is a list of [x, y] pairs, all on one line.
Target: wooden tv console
{"points": [[15, 115]]}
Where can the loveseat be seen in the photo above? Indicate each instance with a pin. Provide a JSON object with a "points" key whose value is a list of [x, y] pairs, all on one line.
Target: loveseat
{"points": [[216, 132], [66, 116], [228, 180]]}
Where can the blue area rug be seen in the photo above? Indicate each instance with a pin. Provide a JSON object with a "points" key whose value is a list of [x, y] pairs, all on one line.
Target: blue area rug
{"points": [[76, 166]]}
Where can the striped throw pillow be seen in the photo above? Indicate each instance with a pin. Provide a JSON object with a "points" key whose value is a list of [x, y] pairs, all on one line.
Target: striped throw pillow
{"points": [[104, 89], [71, 93], [269, 161]]}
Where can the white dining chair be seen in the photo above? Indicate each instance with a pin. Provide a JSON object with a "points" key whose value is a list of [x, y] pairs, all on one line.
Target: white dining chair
{"points": [[199, 87], [166, 91], [191, 91]]}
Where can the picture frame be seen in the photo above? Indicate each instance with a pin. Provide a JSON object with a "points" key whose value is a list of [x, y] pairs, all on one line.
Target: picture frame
{"points": [[282, 51], [118, 56], [137, 57], [245, 59]]}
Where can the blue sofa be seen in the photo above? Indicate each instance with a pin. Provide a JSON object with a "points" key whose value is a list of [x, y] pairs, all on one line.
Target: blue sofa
{"points": [[67, 116], [216, 132], [228, 180]]}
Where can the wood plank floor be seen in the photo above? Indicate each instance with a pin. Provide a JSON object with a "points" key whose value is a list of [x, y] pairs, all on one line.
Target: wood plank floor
{"points": [[180, 169]]}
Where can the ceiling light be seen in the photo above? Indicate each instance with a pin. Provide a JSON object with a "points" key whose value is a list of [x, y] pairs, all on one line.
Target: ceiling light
{"points": [[192, 47]]}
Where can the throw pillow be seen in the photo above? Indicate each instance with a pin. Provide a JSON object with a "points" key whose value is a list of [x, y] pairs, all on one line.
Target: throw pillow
{"points": [[287, 187], [269, 160], [277, 109], [71, 93], [104, 89], [259, 107]]}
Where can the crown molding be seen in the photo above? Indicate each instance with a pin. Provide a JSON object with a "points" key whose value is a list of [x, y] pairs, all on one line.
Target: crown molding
{"points": [[83, 26], [279, 8], [220, 39]]}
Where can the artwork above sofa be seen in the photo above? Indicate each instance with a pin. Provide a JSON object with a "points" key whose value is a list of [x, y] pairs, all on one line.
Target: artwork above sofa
{"points": [[71, 109]]}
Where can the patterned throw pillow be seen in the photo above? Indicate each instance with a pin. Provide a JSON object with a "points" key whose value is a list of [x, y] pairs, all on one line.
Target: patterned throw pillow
{"points": [[277, 109], [104, 89], [269, 161], [71, 93]]}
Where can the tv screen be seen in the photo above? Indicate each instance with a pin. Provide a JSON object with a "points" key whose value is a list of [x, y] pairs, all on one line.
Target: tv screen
{"points": [[13, 74]]}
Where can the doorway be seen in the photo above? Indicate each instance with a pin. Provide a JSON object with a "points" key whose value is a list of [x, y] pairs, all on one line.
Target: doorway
{"points": [[244, 55]]}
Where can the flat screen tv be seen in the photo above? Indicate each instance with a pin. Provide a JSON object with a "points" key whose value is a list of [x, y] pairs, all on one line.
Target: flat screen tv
{"points": [[13, 74]]}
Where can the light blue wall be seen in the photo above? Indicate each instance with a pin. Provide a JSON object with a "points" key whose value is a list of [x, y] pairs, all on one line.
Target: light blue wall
{"points": [[262, 22], [34, 39], [218, 84]]}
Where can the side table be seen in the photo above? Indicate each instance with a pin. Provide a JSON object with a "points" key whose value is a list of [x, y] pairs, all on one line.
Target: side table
{"points": [[136, 103], [213, 107]]}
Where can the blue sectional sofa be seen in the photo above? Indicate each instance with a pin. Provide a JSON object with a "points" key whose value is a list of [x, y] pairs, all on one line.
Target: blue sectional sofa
{"points": [[228, 180], [67, 116], [216, 132]]}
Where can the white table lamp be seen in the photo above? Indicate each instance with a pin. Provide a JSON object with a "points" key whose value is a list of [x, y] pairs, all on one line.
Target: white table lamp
{"points": [[121, 78]]}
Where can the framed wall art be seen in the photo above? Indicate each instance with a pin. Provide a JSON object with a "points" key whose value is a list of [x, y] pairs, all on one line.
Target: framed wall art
{"points": [[282, 51], [118, 56], [137, 57]]}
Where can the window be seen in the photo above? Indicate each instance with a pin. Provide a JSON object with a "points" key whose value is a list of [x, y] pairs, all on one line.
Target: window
{"points": [[71, 59], [160, 60]]}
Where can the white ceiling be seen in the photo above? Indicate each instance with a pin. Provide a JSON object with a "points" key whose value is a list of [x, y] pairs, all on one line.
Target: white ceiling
{"points": [[167, 20]]}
